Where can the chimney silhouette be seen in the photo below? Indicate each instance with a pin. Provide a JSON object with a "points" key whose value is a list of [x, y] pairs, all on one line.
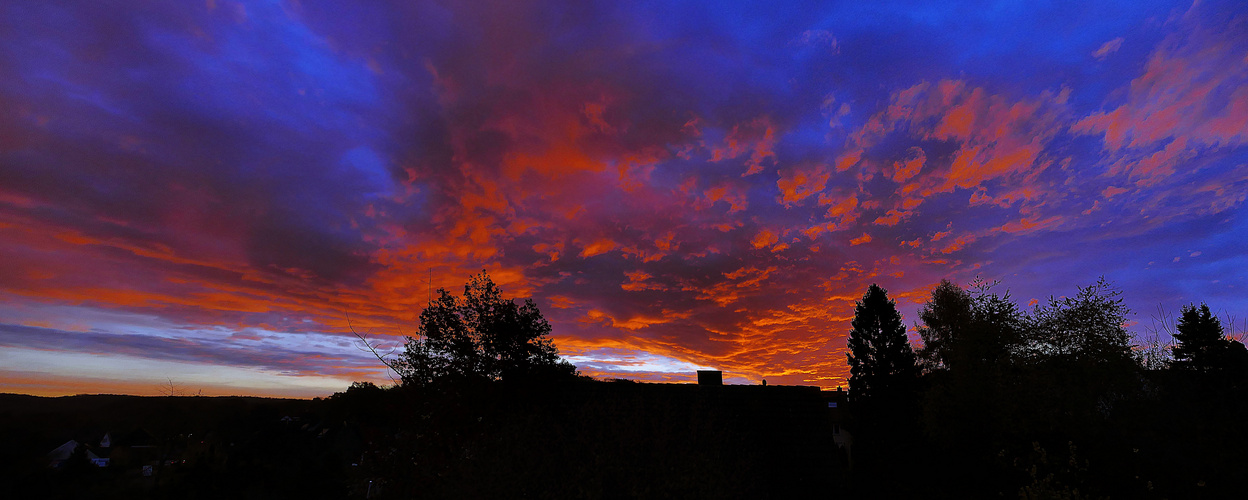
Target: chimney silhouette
{"points": [[710, 377]]}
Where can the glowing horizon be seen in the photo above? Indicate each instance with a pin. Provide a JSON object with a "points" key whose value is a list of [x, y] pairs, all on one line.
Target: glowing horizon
{"points": [[213, 189]]}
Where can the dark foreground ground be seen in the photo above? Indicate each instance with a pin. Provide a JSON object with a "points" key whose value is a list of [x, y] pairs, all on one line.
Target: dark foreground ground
{"points": [[570, 440], [1051, 433]]}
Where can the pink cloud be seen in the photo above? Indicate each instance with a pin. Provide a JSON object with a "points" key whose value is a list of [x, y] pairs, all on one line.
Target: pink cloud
{"points": [[958, 243], [1112, 191], [1030, 224], [848, 160], [1180, 94], [1108, 48]]}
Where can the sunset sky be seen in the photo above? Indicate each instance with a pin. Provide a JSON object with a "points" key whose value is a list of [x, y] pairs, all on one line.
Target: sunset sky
{"points": [[202, 193]]}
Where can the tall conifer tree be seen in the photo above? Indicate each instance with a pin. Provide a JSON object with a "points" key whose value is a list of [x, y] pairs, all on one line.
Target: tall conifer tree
{"points": [[1200, 339], [881, 361]]}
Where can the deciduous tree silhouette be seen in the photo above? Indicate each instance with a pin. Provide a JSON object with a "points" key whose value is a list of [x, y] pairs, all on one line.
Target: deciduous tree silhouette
{"points": [[480, 335], [1074, 374], [945, 316], [1089, 327], [964, 330], [881, 361], [968, 340], [1155, 352]]}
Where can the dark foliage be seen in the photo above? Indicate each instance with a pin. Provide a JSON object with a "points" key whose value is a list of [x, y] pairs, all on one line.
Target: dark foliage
{"points": [[1089, 328], [969, 341], [480, 336], [882, 387], [1052, 404], [197, 447], [588, 439], [881, 361], [1202, 345], [946, 317], [1049, 404], [965, 331], [1199, 338]]}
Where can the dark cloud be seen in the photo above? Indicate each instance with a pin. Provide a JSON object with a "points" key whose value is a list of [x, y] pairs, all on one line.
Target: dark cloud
{"points": [[225, 351]]}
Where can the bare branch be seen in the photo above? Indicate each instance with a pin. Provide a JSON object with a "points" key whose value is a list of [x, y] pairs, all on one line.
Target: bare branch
{"points": [[1236, 333], [1155, 352], [1163, 323], [372, 347], [171, 389]]}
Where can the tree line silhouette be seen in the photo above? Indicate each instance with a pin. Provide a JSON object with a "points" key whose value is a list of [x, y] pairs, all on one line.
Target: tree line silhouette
{"points": [[1054, 402], [996, 401]]}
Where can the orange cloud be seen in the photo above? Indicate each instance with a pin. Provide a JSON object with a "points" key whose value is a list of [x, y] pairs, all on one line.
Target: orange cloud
{"points": [[637, 281], [799, 183], [958, 243], [737, 282], [631, 323], [756, 137], [842, 209], [764, 238], [732, 194], [597, 247], [892, 218], [910, 167], [552, 250]]}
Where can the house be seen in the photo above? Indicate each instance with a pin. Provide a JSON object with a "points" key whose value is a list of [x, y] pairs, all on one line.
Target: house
{"points": [[839, 415], [98, 457], [60, 455], [126, 449], [95, 455]]}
